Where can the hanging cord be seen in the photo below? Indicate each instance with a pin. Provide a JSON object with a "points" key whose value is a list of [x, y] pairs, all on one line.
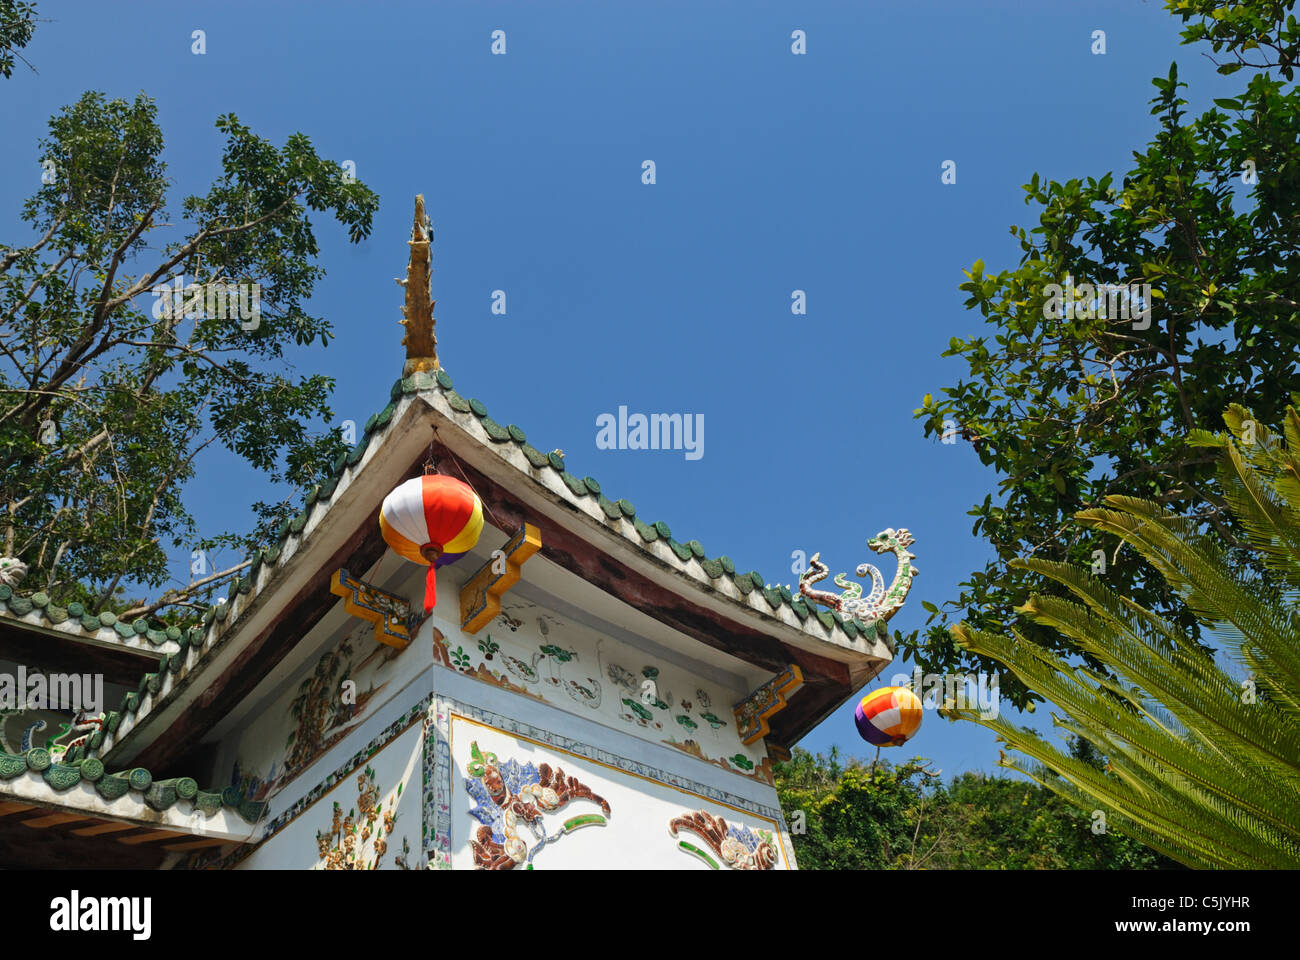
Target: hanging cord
{"points": [[431, 466]]}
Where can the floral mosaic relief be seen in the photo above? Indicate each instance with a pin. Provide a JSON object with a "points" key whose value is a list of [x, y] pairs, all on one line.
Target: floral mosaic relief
{"points": [[740, 848], [359, 840], [510, 798]]}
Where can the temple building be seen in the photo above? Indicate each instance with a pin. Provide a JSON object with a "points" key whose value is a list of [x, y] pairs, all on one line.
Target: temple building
{"points": [[590, 690]]}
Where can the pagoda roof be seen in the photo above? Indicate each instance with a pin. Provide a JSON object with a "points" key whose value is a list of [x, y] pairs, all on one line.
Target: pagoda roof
{"points": [[501, 457]]}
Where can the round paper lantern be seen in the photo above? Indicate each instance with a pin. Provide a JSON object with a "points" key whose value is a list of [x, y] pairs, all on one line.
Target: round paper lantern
{"points": [[888, 717], [432, 520]]}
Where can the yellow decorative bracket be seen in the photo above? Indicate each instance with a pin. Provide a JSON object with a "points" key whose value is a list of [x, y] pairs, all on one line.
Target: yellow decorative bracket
{"points": [[480, 598], [753, 712], [391, 615]]}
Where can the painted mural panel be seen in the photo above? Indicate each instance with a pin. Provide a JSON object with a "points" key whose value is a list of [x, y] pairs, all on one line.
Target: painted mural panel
{"points": [[515, 802], [371, 819], [537, 653], [329, 699]]}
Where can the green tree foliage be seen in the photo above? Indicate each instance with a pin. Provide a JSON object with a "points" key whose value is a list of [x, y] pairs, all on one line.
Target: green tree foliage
{"points": [[1068, 411], [1203, 754], [17, 24], [108, 393], [902, 817]]}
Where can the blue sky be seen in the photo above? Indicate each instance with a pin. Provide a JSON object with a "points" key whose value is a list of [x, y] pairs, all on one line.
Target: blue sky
{"points": [[775, 173]]}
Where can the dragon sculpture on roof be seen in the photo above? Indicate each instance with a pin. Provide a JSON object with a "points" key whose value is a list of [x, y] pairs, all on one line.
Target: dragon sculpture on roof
{"points": [[882, 602]]}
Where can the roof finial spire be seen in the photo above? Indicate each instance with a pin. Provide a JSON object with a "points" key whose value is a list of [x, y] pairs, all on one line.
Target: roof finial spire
{"points": [[420, 342]]}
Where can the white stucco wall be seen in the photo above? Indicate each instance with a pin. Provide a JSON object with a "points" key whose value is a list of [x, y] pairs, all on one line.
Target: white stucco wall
{"points": [[428, 706]]}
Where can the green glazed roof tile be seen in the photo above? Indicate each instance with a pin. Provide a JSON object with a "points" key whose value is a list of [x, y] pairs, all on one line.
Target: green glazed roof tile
{"points": [[92, 768], [443, 378], [112, 787], [60, 776], [535, 456], [11, 766], [159, 796], [574, 484], [495, 432], [477, 407]]}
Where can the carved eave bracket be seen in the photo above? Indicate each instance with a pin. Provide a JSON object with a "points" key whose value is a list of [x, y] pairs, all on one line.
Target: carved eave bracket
{"points": [[417, 312], [480, 598], [391, 615], [753, 713]]}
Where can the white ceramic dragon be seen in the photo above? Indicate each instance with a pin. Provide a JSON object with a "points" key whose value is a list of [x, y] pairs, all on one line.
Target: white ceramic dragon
{"points": [[12, 571], [883, 602]]}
